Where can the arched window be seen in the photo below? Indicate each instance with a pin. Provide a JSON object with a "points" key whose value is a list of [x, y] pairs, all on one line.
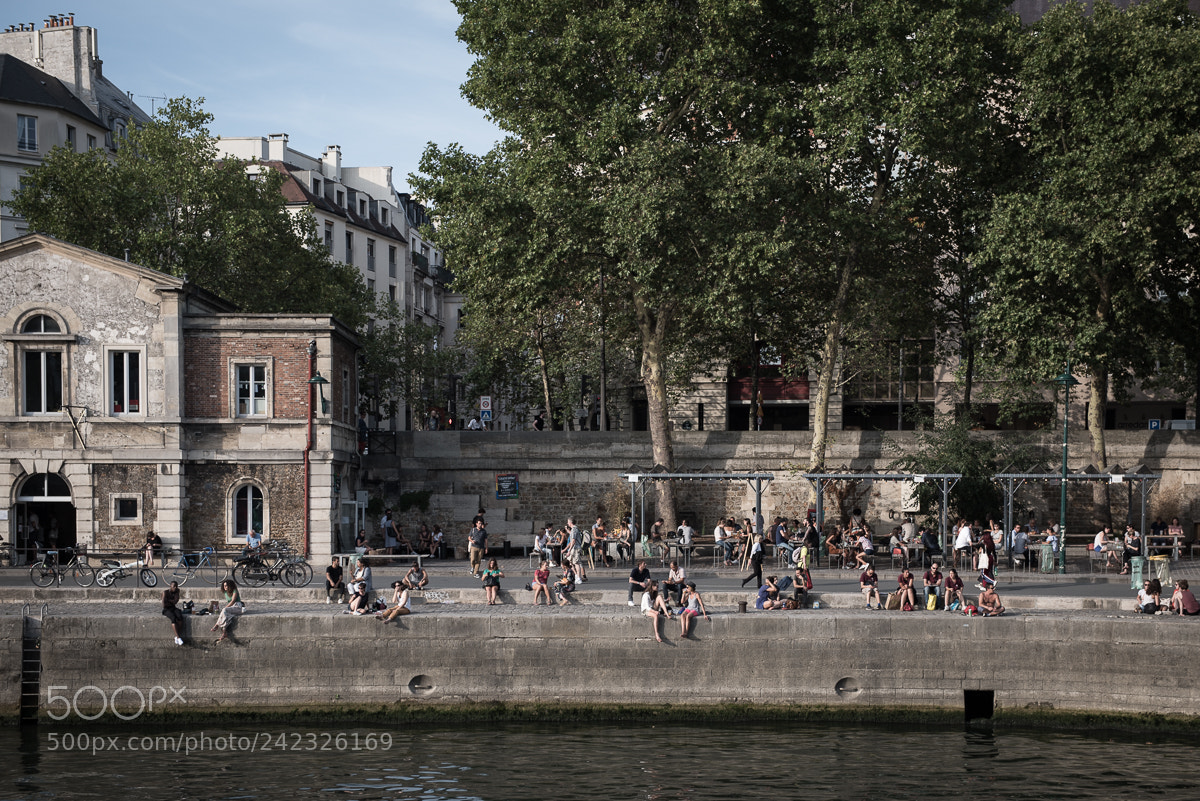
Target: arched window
{"points": [[249, 512], [41, 324]]}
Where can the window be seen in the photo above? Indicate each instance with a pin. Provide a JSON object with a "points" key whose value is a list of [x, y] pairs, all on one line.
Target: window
{"points": [[317, 186], [43, 367], [71, 137], [383, 215], [27, 133], [346, 418], [371, 255], [392, 293], [91, 142], [124, 382], [341, 198], [391, 261], [329, 237], [126, 509], [371, 284], [362, 208], [248, 513], [251, 390], [349, 248]]}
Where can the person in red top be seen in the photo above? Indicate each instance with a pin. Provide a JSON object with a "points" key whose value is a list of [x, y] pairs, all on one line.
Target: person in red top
{"points": [[1183, 601], [954, 587], [869, 583], [904, 584]]}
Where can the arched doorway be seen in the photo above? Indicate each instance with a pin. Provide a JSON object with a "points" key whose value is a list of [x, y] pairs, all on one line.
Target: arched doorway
{"points": [[45, 513]]}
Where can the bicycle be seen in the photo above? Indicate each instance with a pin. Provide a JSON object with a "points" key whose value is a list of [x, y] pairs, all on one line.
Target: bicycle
{"points": [[277, 563], [196, 564], [49, 569], [112, 570]]}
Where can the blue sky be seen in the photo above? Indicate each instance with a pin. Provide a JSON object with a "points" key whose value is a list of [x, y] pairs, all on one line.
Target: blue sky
{"points": [[380, 78]]}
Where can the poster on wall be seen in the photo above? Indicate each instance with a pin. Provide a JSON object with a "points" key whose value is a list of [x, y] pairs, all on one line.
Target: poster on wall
{"points": [[507, 488]]}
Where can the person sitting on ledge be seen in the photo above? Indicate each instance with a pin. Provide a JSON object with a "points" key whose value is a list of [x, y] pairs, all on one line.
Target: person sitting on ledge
{"points": [[954, 591], [989, 602], [693, 607], [401, 604], [933, 583], [868, 582], [639, 579], [334, 586], [1149, 597], [1183, 602], [904, 585], [416, 578], [768, 595], [566, 584], [654, 606]]}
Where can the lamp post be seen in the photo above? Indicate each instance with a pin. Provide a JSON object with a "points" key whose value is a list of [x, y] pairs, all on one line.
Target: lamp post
{"points": [[1066, 381]]}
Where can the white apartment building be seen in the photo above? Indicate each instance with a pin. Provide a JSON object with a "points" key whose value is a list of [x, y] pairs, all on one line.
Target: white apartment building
{"points": [[365, 222], [53, 92]]}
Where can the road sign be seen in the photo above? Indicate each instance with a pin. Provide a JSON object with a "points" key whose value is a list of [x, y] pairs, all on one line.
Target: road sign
{"points": [[1155, 424], [485, 415], [485, 403]]}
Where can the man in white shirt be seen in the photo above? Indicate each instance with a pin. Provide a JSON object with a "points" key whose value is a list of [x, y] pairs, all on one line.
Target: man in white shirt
{"points": [[723, 542]]}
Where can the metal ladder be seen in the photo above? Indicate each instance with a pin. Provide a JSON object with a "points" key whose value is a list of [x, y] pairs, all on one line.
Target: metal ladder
{"points": [[31, 664]]}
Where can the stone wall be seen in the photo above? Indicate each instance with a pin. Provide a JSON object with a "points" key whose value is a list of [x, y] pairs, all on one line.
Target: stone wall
{"points": [[208, 499], [577, 473], [853, 659], [139, 480]]}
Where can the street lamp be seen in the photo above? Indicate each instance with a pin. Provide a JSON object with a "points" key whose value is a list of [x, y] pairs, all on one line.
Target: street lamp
{"points": [[320, 382], [1066, 381]]}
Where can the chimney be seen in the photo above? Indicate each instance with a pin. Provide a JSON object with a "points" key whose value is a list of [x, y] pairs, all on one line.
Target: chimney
{"points": [[332, 159]]}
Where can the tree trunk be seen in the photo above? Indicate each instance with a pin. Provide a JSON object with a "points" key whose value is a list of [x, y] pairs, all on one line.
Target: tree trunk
{"points": [[968, 377], [1097, 406], [830, 356], [652, 326], [545, 374]]}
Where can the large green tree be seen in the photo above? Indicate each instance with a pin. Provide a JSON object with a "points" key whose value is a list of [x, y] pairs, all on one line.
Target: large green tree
{"points": [[167, 201], [1110, 119], [626, 122], [898, 103]]}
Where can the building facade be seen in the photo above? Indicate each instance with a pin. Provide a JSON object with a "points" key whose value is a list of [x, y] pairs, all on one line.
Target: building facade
{"points": [[53, 93], [365, 223], [132, 402]]}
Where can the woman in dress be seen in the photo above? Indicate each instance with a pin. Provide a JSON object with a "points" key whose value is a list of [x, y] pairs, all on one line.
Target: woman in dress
{"points": [[233, 609], [491, 582]]}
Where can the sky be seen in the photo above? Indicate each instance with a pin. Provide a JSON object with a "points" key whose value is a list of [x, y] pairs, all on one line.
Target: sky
{"points": [[380, 78]]}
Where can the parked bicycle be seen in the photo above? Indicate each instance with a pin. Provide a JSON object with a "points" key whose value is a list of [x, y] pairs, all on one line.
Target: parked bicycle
{"points": [[112, 570], [276, 562], [201, 563], [51, 568]]}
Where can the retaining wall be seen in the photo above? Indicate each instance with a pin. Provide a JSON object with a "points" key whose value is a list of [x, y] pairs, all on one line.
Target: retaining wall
{"points": [[1084, 662]]}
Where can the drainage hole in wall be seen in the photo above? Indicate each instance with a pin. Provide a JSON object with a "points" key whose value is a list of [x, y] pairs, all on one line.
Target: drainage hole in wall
{"points": [[979, 704], [847, 688], [420, 685]]}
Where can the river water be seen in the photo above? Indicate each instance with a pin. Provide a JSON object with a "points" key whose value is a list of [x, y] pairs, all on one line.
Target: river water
{"points": [[544, 762]]}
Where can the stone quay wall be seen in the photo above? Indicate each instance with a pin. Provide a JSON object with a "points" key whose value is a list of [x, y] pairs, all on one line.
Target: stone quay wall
{"points": [[294, 660], [576, 473]]}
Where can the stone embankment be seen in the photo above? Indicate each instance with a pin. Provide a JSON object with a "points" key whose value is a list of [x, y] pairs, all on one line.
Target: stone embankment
{"points": [[290, 652]]}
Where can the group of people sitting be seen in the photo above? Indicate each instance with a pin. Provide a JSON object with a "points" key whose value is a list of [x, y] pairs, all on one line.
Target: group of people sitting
{"points": [[392, 539], [1181, 602], [356, 591], [948, 589], [601, 543]]}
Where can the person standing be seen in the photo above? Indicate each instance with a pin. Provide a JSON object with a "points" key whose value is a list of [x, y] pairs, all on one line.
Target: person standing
{"points": [[477, 546], [756, 560], [388, 530], [573, 550]]}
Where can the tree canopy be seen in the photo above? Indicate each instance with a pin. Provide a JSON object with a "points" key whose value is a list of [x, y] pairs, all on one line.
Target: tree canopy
{"points": [[167, 201]]}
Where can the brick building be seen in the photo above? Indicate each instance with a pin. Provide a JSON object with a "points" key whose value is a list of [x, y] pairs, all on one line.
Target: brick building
{"points": [[132, 401]]}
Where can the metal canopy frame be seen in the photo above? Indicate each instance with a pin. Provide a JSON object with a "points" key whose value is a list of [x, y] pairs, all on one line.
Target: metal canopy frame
{"points": [[640, 482], [945, 481], [1012, 483]]}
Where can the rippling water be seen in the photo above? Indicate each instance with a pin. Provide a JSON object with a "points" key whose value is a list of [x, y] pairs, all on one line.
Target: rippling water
{"points": [[563, 763]]}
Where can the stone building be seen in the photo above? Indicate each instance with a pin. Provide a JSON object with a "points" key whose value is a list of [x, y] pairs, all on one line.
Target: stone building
{"points": [[366, 223], [132, 401], [53, 93]]}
